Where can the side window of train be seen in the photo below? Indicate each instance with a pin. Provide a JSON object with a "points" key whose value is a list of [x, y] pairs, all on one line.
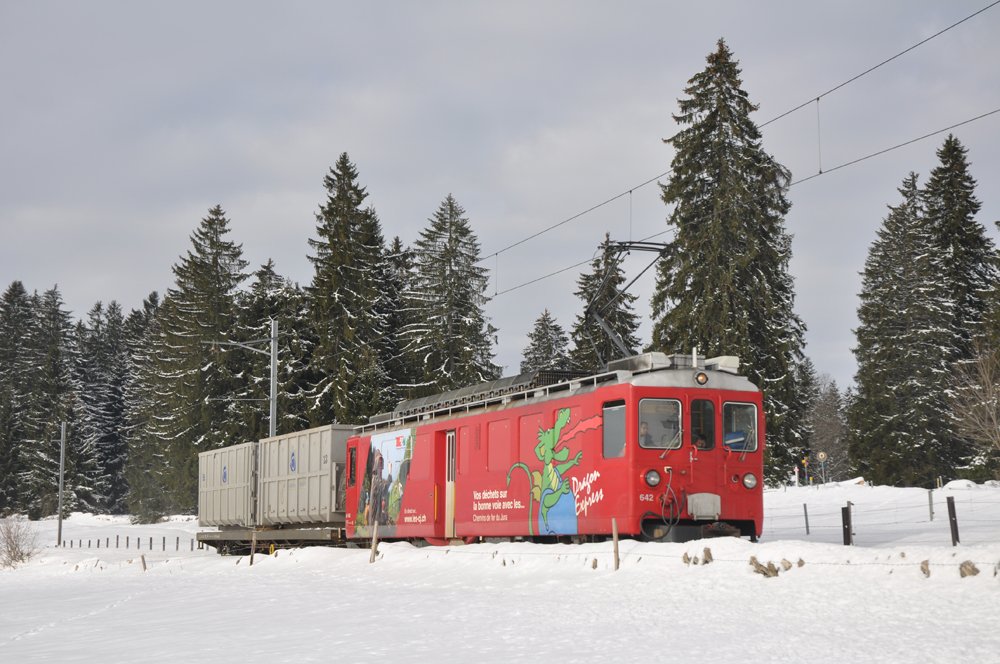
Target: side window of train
{"points": [[614, 429], [660, 424], [703, 424], [352, 466], [739, 426]]}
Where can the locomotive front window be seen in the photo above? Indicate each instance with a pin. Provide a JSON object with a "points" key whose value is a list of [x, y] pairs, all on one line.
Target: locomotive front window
{"points": [[660, 423], [703, 424], [739, 426]]}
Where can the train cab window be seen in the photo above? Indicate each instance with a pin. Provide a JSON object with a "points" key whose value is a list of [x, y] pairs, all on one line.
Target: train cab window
{"points": [[703, 424], [614, 429], [739, 426], [352, 465], [660, 423]]}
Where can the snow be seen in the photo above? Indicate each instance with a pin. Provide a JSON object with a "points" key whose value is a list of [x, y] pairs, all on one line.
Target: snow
{"points": [[507, 602]]}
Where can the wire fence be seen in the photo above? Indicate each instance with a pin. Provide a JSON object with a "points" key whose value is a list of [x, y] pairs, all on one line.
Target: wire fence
{"points": [[974, 519]]}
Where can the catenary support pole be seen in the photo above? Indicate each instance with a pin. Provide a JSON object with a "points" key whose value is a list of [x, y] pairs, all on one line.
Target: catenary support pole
{"points": [[62, 471], [273, 427]]}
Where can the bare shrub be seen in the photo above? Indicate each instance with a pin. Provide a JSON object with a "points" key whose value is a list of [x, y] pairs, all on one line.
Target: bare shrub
{"points": [[976, 400], [17, 542]]}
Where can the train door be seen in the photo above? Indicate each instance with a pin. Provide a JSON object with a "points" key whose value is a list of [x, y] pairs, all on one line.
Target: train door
{"points": [[449, 487]]}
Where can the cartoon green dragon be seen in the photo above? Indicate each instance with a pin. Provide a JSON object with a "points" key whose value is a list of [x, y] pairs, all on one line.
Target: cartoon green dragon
{"points": [[548, 485]]}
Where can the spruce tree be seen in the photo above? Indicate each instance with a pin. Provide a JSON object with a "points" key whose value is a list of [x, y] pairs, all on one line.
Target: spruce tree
{"points": [[723, 285], [600, 289], [449, 337], [100, 376], [49, 403], [145, 469], [195, 381], [349, 381], [16, 374], [900, 431], [547, 346], [970, 264], [403, 370], [828, 423], [273, 296]]}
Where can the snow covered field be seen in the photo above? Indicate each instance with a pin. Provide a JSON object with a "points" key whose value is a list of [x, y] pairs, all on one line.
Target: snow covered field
{"points": [[510, 602]]}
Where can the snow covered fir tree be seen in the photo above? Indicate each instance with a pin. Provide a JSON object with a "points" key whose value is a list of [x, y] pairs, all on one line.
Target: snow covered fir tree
{"points": [[925, 304], [600, 290], [723, 285], [449, 338], [548, 346], [347, 367]]}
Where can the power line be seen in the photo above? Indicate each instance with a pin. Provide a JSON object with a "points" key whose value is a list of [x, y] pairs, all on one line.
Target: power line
{"points": [[774, 119], [884, 62], [805, 179]]}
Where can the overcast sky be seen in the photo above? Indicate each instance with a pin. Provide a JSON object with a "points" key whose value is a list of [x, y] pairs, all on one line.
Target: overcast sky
{"points": [[122, 123]]}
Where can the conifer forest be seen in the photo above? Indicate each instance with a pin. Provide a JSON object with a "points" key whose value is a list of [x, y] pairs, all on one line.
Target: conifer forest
{"points": [[143, 391]]}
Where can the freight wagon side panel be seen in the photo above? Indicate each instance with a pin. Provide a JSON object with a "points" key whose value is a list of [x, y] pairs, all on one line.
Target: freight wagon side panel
{"points": [[225, 478], [301, 476]]}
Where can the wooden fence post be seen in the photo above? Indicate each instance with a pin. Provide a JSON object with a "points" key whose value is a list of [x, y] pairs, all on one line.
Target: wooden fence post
{"points": [[253, 545], [614, 537], [953, 521], [371, 558], [143, 559]]}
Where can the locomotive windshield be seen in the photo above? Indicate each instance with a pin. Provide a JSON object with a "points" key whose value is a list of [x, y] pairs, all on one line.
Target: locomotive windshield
{"points": [[739, 422], [660, 423]]}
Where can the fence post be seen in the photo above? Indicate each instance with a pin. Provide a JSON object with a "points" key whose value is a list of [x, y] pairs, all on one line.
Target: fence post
{"points": [[253, 545], [953, 521], [150, 543], [164, 545], [614, 536], [930, 502], [178, 547], [805, 512], [116, 540], [192, 544], [371, 558], [845, 513]]}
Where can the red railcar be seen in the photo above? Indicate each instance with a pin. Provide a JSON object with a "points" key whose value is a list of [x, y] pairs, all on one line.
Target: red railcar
{"points": [[663, 444]]}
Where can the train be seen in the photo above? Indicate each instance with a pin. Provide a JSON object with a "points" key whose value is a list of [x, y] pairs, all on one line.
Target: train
{"points": [[655, 447]]}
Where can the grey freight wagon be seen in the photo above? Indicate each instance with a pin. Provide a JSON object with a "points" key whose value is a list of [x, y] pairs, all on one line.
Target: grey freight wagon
{"points": [[285, 489]]}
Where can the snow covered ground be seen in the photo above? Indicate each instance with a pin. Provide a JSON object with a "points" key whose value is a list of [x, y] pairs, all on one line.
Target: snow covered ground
{"points": [[510, 602]]}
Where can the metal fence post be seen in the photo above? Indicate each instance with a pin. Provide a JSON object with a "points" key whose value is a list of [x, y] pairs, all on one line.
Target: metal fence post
{"points": [[845, 513], [805, 513], [953, 521], [930, 502]]}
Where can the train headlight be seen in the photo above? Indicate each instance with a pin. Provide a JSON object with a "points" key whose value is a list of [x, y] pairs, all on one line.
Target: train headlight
{"points": [[750, 481], [652, 477], [701, 378]]}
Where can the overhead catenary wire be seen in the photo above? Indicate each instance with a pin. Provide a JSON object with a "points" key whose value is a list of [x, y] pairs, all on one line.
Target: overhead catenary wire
{"points": [[852, 162], [816, 99]]}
